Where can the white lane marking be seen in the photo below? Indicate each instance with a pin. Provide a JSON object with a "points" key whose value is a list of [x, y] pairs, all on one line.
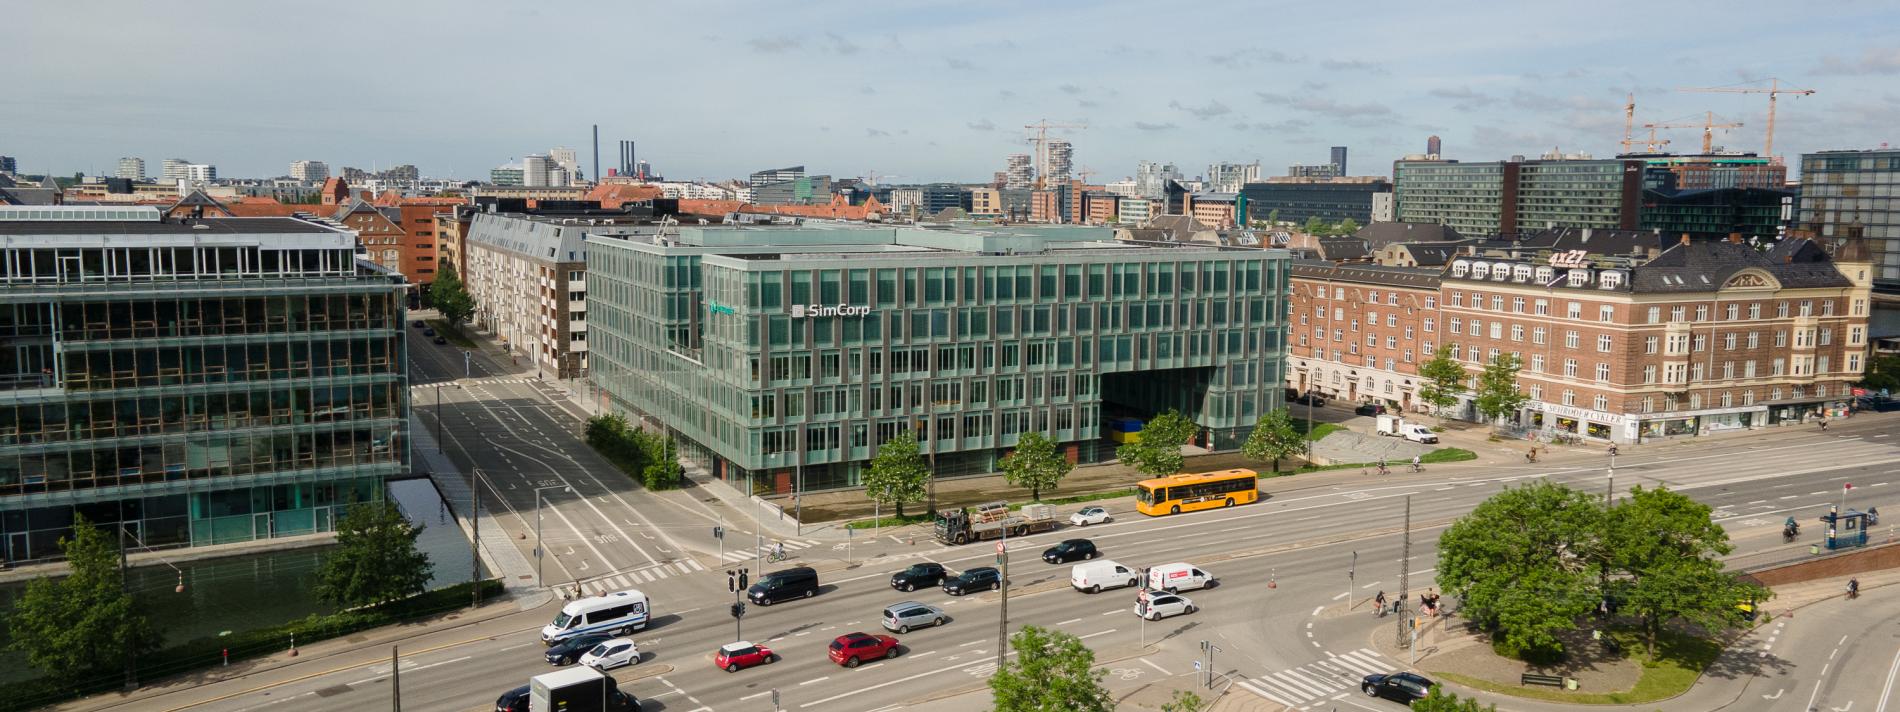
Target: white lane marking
{"points": [[1886, 690], [1151, 664], [927, 652], [814, 680], [872, 665], [1071, 620], [1343, 595], [965, 645], [755, 695], [1086, 637]]}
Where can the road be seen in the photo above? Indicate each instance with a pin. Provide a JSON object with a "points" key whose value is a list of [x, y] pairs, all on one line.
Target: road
{"points": [[1278, 615]]}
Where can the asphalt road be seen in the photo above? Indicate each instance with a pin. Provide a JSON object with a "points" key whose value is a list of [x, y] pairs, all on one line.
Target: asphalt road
{"points": [[1278, 615]]}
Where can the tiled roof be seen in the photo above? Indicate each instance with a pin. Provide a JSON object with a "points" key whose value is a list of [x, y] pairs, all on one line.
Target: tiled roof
{"points": [[1420, 278], [1702, 266], [1386, 233], [1343, 248], [1598, 241]]}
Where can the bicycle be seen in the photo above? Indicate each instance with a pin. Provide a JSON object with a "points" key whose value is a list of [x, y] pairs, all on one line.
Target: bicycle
{"points": [[773, 557], [1417, 467]]}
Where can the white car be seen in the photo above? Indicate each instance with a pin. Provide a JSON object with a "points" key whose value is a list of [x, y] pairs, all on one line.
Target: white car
{"points": [[612, 654], [1089, 515], [1155, 606]]}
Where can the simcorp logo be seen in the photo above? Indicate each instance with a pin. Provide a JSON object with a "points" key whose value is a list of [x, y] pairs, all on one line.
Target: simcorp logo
{"points": [[800, 311]]}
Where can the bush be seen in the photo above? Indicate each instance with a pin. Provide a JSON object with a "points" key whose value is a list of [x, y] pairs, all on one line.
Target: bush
{"points": [[643, 456], [1505, 647], [1448, 454]]}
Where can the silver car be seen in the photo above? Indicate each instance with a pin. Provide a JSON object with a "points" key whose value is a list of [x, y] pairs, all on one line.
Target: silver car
{"points": [[902, 617]]}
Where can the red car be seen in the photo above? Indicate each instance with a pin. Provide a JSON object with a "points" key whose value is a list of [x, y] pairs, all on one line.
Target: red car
{"points": [[852, 648], [742, 654]]}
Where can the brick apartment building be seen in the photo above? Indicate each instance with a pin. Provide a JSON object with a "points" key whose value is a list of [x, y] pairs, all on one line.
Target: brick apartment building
{"points": [[1706, 336]]}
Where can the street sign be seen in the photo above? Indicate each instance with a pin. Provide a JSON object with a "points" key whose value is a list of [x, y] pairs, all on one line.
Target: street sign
{"points": [[719, 532], [1197, 666], [1000, 548]]}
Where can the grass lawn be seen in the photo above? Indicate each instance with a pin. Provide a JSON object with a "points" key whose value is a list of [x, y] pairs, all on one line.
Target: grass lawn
{"points": [[1447, 454], [1315, 431], [1680, 659]]}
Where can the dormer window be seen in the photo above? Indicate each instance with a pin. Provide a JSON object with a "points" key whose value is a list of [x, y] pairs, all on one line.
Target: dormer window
{"points": [[1577, 277], [1460, 268], [1480, 270], [1546, 274], [1521, 273], [1610, 279]]}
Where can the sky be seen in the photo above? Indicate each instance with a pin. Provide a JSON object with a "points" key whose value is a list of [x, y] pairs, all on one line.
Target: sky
{"points": [[919, 91]]}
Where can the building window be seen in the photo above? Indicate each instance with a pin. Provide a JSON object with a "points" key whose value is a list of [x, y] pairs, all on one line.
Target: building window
{"points": [[1854, 335], [1431, 302], [1853, 363], [1537, 392], [1537, 363], [1695, 372], [1497, 303], [1497, 330], [1701, 312], [1574, 310], [1603, 372], [1391, 320], [1603, 343], [1826, 337], [1606, 313], [1699, 343], [1537, 335], [1517, 332], [1649, 404], [1807, 307], [1728, 370], [1541, 307], [1676, 313], [1781, 339], [1734, 311], [1570, 397], [1408, 355], [1517, 304], [1649, 374], [1728, 341], [1748, 369], [1777, 367], [1570, 367], [1754, 339], [1655, 314], [1748, 397], [1728, 399], [1428, 324], [1408, 333], [1781, 309], [1649, 344], [1602, 403], [1457, 298], [1754, 310], [1571, 340], [1457, 325], [1473, 354]]}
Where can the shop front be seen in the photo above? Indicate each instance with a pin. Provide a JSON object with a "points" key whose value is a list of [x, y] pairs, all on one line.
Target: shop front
{"points": [[1702, 422], [1587, 424]]}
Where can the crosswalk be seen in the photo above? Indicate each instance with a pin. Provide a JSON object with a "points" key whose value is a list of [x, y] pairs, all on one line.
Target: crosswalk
{"points": [[629, 579], [476, 382], [748, 554], [1319, 679]]}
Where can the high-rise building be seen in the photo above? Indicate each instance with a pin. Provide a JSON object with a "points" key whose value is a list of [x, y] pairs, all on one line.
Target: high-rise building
{"points": [[174, 170], [9, 164], [1843, 194], [938, 197], [1706, 172], [510, 174], [1231, 177], [1324, 170], [1151, 179], [1432, 146], [201, 173], [537, 170], [131, 168], [1510, 197], [1058, 161], [776, 175], [208, 394], [310, 171], [1020, 172], [1296, 200], [1339, 161], [566, 159]]}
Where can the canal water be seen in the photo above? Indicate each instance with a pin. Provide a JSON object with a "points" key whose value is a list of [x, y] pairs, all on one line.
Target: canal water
{"points": [[253, 591]]}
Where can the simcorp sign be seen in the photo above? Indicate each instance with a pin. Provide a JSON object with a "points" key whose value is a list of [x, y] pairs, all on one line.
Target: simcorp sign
{"points": [[807, 311]]}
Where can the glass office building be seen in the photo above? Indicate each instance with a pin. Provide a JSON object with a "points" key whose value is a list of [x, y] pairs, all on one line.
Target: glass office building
{"points": [[201, 381], [1855, 194], [780, 357]]}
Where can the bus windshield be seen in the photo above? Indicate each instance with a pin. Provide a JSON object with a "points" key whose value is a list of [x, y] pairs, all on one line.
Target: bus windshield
{"points": [[1144, 495]]}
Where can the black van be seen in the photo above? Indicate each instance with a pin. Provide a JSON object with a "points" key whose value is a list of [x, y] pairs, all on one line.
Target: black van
{"points": [[784, 585]]}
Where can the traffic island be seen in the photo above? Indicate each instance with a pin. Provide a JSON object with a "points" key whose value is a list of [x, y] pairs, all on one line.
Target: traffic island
{"points": [[1614, 669]]}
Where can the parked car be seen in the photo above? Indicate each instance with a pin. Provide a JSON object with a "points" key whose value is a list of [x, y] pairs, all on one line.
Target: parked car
{"points": [[1306, 399], [1089, 515], [618, 652], [570, 650], [977, 579], [902, 617], [1069, 550], [918, 576], [853, 648], [1156, 606], [1368, 409], [1399, 686], [733, 656], [440, 339]]}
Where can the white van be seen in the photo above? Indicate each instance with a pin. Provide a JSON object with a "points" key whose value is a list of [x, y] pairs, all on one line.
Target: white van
{"points": [[1093, 576], [1179, 576], [617, 613]]}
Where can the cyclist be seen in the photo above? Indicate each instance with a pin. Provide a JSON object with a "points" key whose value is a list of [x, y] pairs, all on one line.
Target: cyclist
{"points": [[1383, 470], [778, 551], [1415, 465]]}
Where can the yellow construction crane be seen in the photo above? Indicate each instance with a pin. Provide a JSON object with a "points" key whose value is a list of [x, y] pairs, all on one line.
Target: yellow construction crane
{"points": [[1708, 127], [1629, 121], [1040, 139], [1773, 91]]}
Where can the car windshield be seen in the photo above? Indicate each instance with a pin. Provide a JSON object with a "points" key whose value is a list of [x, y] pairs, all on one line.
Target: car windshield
{"points": [[561, 620], [598, 650]]}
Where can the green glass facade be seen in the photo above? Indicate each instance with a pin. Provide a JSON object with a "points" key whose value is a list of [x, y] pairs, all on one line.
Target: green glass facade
{"points": [[200, 393], [1468, 197], [781, 356]]}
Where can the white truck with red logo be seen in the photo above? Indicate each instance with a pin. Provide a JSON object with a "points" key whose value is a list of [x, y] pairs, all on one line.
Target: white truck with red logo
{"points": [[1179, 576]]}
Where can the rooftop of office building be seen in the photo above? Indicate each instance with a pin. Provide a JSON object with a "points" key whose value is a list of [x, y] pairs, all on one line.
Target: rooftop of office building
{"points": [[831, 240]]}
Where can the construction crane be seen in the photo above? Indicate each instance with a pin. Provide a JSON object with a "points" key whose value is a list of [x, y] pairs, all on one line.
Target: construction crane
{"points": [[1084, 173], [1708, 127], [1629, 121], [1773, 91], [1040, 139]]}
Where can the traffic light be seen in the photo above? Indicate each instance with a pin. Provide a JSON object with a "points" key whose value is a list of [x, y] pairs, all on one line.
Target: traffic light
{"points": [[737, 581], [738, 610]]}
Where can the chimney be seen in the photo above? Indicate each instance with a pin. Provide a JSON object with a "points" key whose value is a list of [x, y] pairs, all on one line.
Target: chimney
{"points": [[1685, 238], [1735, 237]]}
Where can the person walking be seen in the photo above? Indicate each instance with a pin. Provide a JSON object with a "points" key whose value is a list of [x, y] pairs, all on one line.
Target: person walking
{"points": [[1378, 605]]}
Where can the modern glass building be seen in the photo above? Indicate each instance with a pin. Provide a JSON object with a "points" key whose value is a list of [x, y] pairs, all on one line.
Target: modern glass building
{"points": [[785, 355], [1329, 199], [1510, 197], [1856, 194], [203, 381]]}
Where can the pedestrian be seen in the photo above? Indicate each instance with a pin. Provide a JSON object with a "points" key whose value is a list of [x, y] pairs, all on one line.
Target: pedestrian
{"points": [[1378, 605], [1853, 588]]}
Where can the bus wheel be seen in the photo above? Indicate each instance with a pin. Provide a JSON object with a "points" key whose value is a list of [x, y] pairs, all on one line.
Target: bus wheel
{"points": [[1176, 509], [1230, 502]]}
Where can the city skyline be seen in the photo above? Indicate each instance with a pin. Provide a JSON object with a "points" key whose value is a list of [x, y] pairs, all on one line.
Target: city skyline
{"points": [[931, 93]]}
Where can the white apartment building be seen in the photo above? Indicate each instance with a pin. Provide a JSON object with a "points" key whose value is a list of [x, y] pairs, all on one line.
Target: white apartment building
{"points": [[131, 168], [527, 274], [310, 171], [201, 173], [537, 170], [174, 170]]}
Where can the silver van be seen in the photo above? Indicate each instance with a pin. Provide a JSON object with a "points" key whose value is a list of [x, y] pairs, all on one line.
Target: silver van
{"points": [[902, 617]]}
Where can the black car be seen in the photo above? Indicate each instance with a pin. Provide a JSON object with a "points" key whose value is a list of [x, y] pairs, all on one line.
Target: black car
{"points": [[570, 650], [1399, 686], [428, 332], [440, 339], [516, 700], [977, 579], [1368, 409], [417, 323], [1069, 550], [1307, 399], [918, 576]]}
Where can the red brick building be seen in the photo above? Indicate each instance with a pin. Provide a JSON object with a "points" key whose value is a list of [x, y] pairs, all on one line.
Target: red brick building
{"points": [[1359, 332]]}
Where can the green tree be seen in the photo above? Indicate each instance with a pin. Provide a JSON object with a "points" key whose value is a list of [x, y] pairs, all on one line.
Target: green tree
{"points": [[1158, 451], [898, 474], [1035, 464], [1442, 378], [1441, 700], [1498, 395], [451, 297], [83, 622], [1347, 226], [1051, 672], [1525, 563], [1184, 701], [1273, 438], [1315, 227], [375, 559], [1883, 373], [663, 470], [1661, 551], [1273, 217]]}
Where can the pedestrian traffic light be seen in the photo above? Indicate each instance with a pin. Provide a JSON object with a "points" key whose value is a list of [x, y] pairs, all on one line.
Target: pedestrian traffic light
{"points": [[744, 579]]}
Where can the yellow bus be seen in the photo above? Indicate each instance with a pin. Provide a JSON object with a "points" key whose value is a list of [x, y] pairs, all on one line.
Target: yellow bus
{"points": [[1199, 490]]}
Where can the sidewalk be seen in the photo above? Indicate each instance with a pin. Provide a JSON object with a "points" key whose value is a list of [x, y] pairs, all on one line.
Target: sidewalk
{"points": [[499, 554]]}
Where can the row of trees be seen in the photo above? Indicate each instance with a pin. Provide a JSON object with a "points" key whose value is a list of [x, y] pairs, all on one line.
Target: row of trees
{"points": [[1443, 379], [86, 623], [1532, 561], [653, 459], [1320, 228]]}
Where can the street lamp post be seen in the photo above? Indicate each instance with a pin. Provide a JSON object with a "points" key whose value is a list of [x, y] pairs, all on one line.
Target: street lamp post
{"points": [[438, 417], [539, 550]]}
